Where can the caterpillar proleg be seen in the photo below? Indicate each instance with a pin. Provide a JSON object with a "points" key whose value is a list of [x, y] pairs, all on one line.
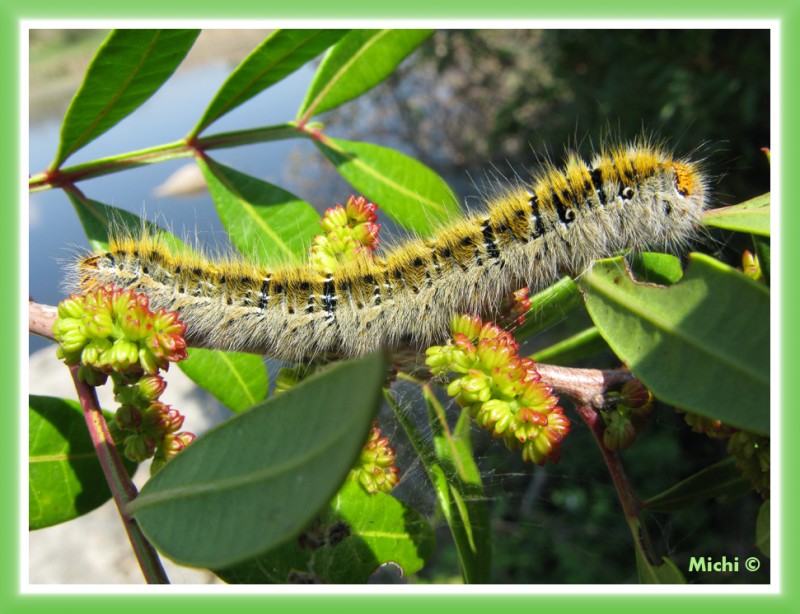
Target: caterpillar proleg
{"points": [[629, 197]]}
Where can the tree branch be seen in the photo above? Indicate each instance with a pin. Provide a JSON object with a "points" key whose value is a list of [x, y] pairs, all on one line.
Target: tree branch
{"points": [[122, 488]]}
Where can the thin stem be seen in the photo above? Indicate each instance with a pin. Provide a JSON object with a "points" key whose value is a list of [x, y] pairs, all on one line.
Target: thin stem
{"points": [[631, 506], [122, 489], [184, 148]]}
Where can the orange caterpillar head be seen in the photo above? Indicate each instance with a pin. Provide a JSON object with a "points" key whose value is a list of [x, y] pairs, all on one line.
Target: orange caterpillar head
{"points": [[687, 180]]}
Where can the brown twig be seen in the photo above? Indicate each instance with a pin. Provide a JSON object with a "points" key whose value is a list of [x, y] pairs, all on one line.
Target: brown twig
{"points": [[41, 319], [585, 386], [122, 488], [630, 504]]}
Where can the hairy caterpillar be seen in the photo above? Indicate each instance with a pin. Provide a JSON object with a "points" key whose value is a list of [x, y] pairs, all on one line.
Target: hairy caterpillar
{"points": [[629, 197]]}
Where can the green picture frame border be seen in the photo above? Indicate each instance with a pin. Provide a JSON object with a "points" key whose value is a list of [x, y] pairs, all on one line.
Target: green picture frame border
{"points": [[390, 599]]}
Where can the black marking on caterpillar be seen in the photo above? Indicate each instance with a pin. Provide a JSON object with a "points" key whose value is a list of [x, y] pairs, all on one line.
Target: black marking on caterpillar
{"points": [[629, 197]]}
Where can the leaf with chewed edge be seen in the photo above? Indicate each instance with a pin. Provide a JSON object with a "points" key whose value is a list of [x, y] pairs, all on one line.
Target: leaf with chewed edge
{"points": [[701, 344]]}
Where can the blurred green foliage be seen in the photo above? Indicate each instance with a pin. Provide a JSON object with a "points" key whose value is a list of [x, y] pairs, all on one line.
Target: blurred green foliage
{"points": [[471, 98]]}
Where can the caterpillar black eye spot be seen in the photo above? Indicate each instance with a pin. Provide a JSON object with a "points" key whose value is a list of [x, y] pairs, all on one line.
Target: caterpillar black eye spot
{"points": [[401, 298]]}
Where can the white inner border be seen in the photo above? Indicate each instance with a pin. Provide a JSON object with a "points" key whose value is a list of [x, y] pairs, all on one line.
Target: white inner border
{"points": [[775, 312]]}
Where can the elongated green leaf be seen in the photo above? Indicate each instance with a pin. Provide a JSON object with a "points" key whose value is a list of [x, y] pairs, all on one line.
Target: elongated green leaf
{"points": [[355, 535], [264, 222], [722, 479], [464, 489], [361, 60], [762, 529], [650, 573], [751, 216], [409, 192], [282, 53], [457, 484], [762, 246], [236, 379], [65, 479], [128, 68], [701, 344], [258, 479], [99, 219], [550, 306], [580, 345]]}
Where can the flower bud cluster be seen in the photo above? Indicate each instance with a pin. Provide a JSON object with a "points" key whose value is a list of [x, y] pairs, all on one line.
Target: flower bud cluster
{"points": [[375, 469], [708, 426], [751, 453], [501, 390], [350, 233], [624, 422], [112, 332], [515, 308], [113, 329]]}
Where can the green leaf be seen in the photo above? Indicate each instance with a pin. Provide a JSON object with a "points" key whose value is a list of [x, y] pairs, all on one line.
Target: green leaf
{"points": [[655, 268], [65, 479], [762, 247], [361, 60], [762, 529], [264, 222], [354, 536], [258, 479], [457, 483], [128, 68], [585, 343], [282, 53], [650, 573], [722, 479], [701, 344], [462, 478], [98, 220], [409, 192], [550, 306], [751, 216], [237, 380]]}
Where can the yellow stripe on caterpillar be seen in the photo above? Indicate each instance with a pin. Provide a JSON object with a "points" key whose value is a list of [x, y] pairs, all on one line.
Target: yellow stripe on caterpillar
{"points": [[629, 197]]}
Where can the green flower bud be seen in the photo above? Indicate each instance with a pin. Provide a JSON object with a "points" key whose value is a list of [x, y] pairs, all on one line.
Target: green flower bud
{"points": [[123, 355], [91, 376], [95, 352], [128, 418], [619, 433], [71, 307], [139, 446]]}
